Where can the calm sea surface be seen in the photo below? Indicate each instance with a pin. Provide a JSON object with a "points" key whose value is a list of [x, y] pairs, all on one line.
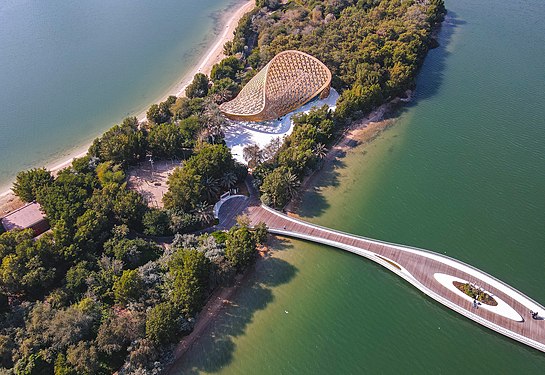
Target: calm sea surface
{"points": [[71, 69], [462, 173]]}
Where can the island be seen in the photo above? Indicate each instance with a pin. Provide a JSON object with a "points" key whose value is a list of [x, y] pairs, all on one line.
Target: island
{"points": [[134, 251]]}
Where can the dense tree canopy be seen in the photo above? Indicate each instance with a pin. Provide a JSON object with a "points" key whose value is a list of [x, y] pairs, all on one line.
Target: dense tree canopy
{"points": [[162, 323], [161, 113], [199, 179], [28, 183], [128, 287], [91, 297], [184, 189], [198, 88], [122, 144], [240, 247], [190, 269], [229, 67]]}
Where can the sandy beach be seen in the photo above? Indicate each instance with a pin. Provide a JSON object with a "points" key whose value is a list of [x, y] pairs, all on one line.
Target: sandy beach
{"points": [[212, 56]]}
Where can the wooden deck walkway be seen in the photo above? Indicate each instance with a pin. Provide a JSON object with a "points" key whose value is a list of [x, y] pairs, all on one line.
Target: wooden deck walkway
{"points": [[416, 266]]}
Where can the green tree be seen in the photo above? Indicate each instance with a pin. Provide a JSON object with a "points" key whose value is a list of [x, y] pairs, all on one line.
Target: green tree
{"points": [[162, 323], [212, 160], [117, 332], [54, 330], [214, 122], [240, 247], [320, 151], [28, 183], [190, 269], [128, 287], [33, 364], [28, 266], [210, 188], [133, 252], [123, 144], [270, 4], [128, 207], [227, 68], [168, 141], [436, 11], [253, 155], [224, 89], [7, 345], [203, 213], [198, 88], [64, 199], [76, 278], [189, 128], [160, 113], [260, 233], [228, 180], [156, 223], [108, 173], [62, 367], [184, 189], [92, 229], [83, 357], [181, 222], [279, 186], [100, 282], [185, 107]]}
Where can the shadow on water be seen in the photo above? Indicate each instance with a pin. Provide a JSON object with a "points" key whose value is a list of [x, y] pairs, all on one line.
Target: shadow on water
{"points": [[328, 176], [215, 348], [429, 81], [430, 77], [279, 243]]}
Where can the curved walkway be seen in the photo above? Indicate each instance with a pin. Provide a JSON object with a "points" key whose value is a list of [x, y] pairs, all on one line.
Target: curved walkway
{"points": [[418, 267]]}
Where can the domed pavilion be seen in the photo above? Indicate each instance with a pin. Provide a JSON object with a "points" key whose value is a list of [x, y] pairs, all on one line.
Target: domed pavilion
{"points": [[288, 81]]}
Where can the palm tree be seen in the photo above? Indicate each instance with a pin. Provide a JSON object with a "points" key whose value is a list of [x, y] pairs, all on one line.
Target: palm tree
{"points": [[211, 188], [292, 183], [214, 120], [253, 155], [203, 212], [228, 180], [320, 151]]}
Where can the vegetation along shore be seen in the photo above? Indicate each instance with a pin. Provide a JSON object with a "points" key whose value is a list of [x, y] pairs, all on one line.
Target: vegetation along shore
{"points": [[96, 293]]}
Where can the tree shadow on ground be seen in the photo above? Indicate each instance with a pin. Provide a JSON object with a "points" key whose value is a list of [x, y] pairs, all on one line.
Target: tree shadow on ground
{"points": [[214, 350]]}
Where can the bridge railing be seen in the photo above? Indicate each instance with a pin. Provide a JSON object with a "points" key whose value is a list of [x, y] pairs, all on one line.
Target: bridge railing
{"points": [[537, 305]]}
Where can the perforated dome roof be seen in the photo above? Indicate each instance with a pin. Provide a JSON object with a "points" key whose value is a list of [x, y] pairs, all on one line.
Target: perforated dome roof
{"points": [[288, 81]]}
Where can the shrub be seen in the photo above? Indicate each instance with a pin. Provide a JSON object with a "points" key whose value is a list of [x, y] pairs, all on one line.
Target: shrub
{"points": [[162, 324]]}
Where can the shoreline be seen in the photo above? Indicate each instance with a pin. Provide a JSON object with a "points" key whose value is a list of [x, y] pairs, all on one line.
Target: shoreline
{"points": [[221, 299], [225, 26], [360, 131]]}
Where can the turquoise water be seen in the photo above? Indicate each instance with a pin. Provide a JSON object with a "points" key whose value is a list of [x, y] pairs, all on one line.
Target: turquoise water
{"points": [[71, 69], [462, 172]]}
